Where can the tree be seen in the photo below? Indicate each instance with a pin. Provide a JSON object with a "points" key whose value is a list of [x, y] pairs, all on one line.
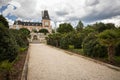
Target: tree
{"points": [[100, 27], [4, 21], [110, 26], [79, 26], [24, 31], [110, 38], [43, 31], [65, 28]]}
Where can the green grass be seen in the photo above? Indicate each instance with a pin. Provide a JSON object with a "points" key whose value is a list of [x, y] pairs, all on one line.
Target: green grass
{"points": [[22, 49], [78, 51], [5, 65]]}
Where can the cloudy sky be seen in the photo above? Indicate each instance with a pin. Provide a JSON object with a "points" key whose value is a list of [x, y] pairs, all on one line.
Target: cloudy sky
{"points": [[89, 11]]}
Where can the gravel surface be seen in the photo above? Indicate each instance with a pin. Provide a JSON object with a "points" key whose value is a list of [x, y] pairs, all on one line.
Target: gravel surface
{"points": [[47, 63]]}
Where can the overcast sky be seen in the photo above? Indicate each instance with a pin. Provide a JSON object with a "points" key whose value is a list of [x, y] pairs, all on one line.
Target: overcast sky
{"points": [[89, 11]]}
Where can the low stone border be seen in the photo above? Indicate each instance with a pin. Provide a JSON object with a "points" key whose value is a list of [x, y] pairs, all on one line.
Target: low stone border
{"points": [[25, 68], [96, 61]]}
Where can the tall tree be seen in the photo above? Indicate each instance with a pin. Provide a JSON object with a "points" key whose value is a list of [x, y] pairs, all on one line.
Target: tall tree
{"points": [[4, 21], [65, 28], [110, 38], [79, 26]]}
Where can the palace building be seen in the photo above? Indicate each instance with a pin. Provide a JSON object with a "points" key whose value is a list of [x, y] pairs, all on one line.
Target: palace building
{"points": [[44, 24]]}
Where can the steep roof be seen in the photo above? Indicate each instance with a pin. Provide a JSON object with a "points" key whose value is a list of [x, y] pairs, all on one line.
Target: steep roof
{"points": [[45, 15]]}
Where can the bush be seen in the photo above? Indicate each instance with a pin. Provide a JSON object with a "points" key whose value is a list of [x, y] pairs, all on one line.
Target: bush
{"points": [[54, 39], [64, 43], [8, 45], [20, 37], [91, 47]]}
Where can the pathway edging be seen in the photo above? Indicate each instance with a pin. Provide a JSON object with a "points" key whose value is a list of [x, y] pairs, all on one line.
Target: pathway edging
{"points": [[25, 68]]}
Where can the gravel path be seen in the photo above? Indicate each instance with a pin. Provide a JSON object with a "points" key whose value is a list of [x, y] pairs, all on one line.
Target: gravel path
{"points": [[47, 63]]}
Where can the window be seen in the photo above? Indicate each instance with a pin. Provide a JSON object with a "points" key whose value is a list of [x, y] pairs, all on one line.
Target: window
{"points": [[46, 24]]}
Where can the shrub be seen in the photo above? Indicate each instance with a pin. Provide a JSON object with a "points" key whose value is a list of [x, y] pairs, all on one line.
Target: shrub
{"points": [[54, 39], [8, 45], [91, 47], [20, 37]]}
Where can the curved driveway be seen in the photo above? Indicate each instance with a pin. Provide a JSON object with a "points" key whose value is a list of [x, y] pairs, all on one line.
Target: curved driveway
{"points": [[47, 63]]}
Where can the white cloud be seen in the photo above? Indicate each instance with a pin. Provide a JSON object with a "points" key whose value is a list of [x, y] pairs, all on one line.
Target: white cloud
{"points": [[4, 2], [66, 10], [115, 20], [10, 21], [9, 9]]}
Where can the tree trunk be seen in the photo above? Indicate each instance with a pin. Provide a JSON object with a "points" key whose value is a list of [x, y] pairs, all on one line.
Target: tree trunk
{"points": [[111, 53]]}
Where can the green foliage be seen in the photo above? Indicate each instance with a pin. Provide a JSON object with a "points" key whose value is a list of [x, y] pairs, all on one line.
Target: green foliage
{"points": [[79, 26], [53, 30], [100, 27], [64, 40], [65, 28], [20, 37], [8, 45], [71, 47], [10, 41], [93, 40], [24, 32], [54, 39], [109, 37], [22, 49], [5, 66], [45, 31], [117, 49], [4, 21], [91, 47]]}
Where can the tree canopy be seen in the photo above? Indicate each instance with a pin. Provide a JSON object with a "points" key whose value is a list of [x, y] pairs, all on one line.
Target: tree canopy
{"points": [[79, 26], [43, 31], [65, 28], [4, 21], [110, 38]]}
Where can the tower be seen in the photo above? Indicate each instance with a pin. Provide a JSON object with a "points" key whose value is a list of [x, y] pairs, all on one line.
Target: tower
{"points": [[45, 19]]}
